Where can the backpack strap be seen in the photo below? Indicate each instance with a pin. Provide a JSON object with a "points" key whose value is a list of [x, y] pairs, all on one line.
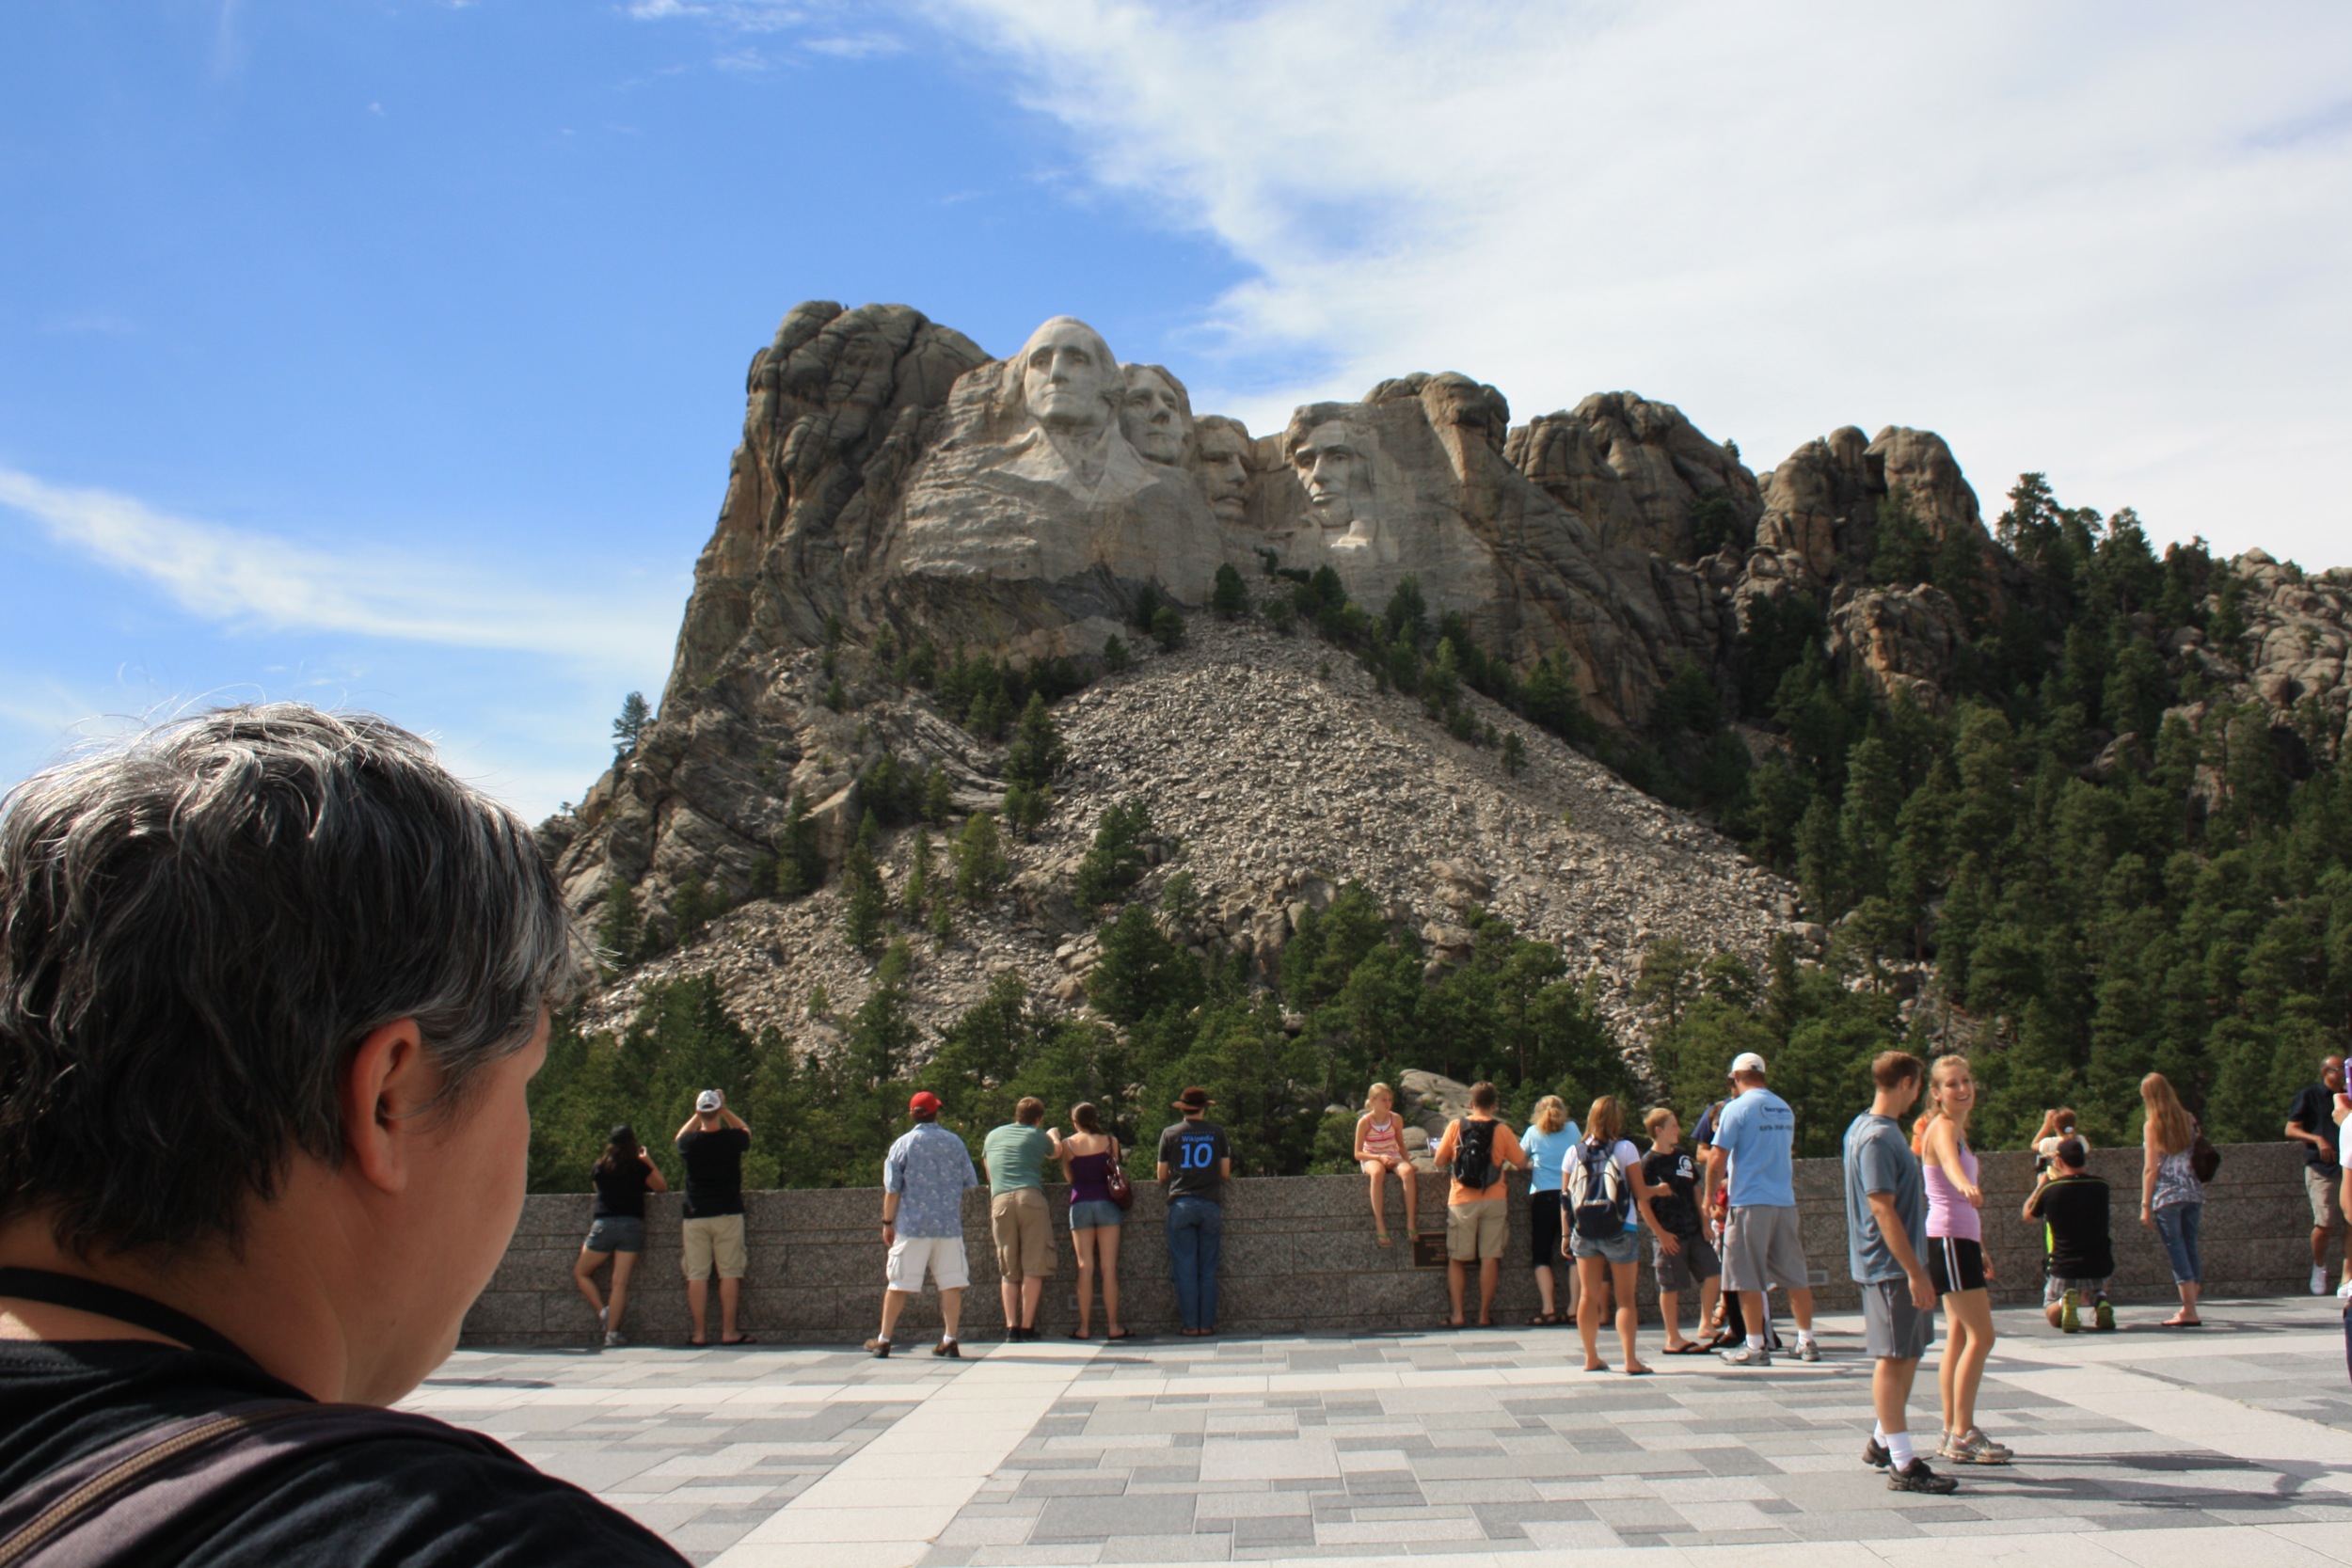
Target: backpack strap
{"points": [[127, 1503]]}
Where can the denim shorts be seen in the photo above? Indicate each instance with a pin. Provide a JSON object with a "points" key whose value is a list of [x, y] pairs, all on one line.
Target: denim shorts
{"points": [[1623, 1247], [616, 1234], [1095, 1212]]}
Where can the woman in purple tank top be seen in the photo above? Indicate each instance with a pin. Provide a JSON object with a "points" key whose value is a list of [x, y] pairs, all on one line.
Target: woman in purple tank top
{"points": [[1956, 1260], [1087, 1158]]}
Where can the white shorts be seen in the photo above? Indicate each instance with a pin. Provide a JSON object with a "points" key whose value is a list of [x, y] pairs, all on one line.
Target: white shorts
{"points": [[943, 1254]]}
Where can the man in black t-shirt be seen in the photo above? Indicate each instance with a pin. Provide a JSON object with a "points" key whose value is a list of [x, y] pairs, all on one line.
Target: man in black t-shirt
{"points": [[710, 1235], [2311, 1122], [272, 988], [1195, 1162], [2071, 1206]]}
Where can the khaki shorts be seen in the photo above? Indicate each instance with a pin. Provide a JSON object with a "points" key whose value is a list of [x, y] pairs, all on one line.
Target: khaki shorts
{"points": [[1023, 1230], [2322, 1188], [1762, 1251], [1477, 1230], [942, 1255], [717, 1239]]}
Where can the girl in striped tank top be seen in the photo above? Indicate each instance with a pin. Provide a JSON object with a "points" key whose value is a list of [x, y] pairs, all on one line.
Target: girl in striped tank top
{"points": [[1380, 1152]]}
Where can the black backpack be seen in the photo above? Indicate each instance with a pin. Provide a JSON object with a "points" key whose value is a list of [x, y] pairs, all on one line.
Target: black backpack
{"points": [[1596, 1193], [1475, 1152]]}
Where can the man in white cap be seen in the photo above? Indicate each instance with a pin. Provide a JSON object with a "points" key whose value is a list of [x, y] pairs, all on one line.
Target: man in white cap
{"points": [[1756, 1136], [712, 1143]]}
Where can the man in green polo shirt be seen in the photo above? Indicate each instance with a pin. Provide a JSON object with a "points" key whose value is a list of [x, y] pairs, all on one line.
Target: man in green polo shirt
{"points": [[1015, 1155]]}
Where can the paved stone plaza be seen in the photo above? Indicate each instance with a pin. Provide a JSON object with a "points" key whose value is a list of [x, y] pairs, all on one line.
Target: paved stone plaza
{"points": [[2228, 1445]]}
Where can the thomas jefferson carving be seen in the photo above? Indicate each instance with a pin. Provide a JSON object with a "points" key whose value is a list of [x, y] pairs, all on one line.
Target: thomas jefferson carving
{"points": [[1156, 416]]}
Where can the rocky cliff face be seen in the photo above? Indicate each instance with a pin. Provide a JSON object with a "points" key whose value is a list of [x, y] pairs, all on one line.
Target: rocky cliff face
{"points": [[897, 484]]}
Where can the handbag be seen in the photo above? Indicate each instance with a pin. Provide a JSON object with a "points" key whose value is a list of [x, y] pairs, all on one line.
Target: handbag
{"points": [[2204, 1158], [1115, 1181]]}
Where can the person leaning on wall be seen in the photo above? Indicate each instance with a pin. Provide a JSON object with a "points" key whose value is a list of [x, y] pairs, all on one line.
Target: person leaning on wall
{"points": [[272, 984]]}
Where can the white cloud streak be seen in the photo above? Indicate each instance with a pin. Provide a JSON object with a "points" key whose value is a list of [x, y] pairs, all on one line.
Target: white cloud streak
{"points": [[2110, 240], [249, 580]]}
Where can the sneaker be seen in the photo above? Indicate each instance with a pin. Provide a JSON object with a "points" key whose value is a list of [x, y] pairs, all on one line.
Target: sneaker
{"points": [[2319, 1279], [2071, 1312], [1874, 1454], [1747, 1356], [1809, 1350], [2103, 1316], [1974, 1447], [1918, 1478], [612, 1338], [881, 1348], [949, 1349]]}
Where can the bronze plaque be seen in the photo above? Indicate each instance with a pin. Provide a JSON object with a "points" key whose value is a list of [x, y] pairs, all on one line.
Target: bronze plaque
{"points": [[1429, 1249]]}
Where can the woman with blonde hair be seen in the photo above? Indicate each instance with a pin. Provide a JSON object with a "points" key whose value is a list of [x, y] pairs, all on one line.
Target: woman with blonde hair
{"points": [[2172, 1199], [1548, 1138], [1604, 1193], [1956, 1258], [1380, 1153]]}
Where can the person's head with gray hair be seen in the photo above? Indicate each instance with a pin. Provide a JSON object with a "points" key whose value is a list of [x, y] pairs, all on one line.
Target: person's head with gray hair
{"points": [[272, 980]]}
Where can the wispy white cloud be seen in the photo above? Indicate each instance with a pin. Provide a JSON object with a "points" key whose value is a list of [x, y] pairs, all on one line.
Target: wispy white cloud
{"points": [[251, 580], [2111, 241]]}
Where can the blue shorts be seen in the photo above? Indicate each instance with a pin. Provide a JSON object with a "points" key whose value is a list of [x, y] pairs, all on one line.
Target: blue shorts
{"points": [[616, 1234], [1624, 1247], [1094, 1213]]}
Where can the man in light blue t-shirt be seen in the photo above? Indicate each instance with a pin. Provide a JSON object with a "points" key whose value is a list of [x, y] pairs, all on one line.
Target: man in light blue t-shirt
{"points": [[1756, 1136]]}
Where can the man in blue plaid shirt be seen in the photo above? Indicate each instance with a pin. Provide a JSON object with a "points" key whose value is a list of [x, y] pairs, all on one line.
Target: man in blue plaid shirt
{"points": [[925, 1177]]}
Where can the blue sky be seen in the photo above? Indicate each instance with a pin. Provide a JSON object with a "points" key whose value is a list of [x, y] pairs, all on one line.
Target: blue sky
{"points": [[390, 354]]}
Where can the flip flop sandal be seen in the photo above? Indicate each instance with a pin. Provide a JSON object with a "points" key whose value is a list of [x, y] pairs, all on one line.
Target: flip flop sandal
{"points": [[1691, 1347], [1385, 1240], [1542, 1320], [1123, 1334]]}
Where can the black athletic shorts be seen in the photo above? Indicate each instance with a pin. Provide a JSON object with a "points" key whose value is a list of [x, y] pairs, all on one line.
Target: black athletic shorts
{"points": [[1955, 1263]]}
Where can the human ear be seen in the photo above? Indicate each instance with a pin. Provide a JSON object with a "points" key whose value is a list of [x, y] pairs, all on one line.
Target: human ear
{"points": [[389, 1081]]}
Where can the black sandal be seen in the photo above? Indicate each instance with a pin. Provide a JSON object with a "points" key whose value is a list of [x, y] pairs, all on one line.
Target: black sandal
{"points": [[1542, 1320]]}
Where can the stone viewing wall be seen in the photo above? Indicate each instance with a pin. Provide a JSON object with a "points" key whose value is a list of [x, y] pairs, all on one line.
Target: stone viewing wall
{"points": [[1301, 1258]]}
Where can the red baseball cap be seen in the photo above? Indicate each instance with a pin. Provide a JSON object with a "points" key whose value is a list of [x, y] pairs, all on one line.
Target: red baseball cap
{"points": [[925, 1104]]}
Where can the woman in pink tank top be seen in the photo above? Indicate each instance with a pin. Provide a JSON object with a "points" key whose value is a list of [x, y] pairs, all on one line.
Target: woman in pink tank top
{"points": [[1380, 1154], [1956, 1258]]}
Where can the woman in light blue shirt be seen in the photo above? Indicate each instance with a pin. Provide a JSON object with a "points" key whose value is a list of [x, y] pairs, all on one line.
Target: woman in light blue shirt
{"points": [[1547, 1141]]}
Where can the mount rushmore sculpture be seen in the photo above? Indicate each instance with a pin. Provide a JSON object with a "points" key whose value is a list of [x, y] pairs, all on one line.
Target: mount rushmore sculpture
{"points": [[892, 473]]}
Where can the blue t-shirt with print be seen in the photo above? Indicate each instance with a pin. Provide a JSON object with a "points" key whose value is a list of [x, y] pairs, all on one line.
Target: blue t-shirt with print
{"points": [[928, 1168], [1758, 1132]]}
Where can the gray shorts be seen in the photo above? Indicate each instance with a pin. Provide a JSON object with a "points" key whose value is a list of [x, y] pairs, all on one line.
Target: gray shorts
{"points": [[1892, 1328], [1623, 1247], [1687, 1269], [1762, 1251]]}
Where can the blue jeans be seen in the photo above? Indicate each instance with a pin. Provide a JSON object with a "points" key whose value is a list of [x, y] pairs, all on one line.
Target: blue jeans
{"points": [[2178, 1225], [1195, 1234]]}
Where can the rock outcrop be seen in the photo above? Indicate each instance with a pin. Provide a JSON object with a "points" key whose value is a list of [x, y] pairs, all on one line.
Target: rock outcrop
{"points": [[1640, 476]]}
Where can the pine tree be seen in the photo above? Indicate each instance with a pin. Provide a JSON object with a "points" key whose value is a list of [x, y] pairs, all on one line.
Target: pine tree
{"points": [[914, 903], [620, 929], [1115, 861], [1231, 598], [1167, 629], [1514, 753], [1037, 753], [631, 727], [980, 865]]}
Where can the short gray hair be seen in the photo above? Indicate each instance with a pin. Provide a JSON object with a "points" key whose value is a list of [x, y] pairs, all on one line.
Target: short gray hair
{"points": [[199, 928]]}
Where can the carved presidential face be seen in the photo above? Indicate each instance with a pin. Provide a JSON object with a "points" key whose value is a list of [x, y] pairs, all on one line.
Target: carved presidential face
{"points": [[1335, 469], [1152, 417], [1219, 461], [1067, 377]]}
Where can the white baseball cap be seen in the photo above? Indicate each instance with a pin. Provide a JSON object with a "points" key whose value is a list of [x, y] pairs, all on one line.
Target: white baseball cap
{"points": [[710, 1099], [1748, 1061]]}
